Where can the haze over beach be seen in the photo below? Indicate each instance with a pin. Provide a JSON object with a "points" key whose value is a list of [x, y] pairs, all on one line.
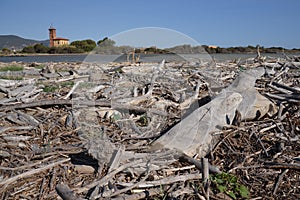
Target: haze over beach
{"points": [[221, 23]]}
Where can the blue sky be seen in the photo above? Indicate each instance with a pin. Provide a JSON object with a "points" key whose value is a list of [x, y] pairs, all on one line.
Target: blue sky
{"points": [[212, 22]]}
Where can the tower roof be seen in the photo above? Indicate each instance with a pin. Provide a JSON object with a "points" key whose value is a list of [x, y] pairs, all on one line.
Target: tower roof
{"points": [[52, 28], [60, 38]]}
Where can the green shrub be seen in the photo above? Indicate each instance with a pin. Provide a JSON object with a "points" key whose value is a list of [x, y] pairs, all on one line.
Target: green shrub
{"points": [[28, 49], [49, 88], [6, 51], [228, 183], [85, 45], [67, 84], [11, 77], [65, 50], [39, 48], [11, 68]]}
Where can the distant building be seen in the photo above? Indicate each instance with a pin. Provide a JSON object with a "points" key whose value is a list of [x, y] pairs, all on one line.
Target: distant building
{"points": [[56, 41]]}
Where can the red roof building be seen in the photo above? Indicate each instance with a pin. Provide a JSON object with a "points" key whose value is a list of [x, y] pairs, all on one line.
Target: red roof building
{"points": [[56, 41]]}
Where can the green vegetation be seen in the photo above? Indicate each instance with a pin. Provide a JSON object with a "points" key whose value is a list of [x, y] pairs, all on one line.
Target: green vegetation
{"points": [[84, 45], [28, 49], [39, 48], [106, 42], [67, 84], [249, 49], [163, 194], [115, 117], [112, 49], [186, 49], [64, 50], [153, 50], [74, 47], [108, 46], [55, 86], [143, 120], [5, 51], [11, 68], [50, 88], [37, 66], [228, 183], [79, 46], [12, 77]]}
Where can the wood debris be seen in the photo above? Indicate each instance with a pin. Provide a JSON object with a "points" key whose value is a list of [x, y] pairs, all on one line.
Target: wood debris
{"points": [[86, 131]]}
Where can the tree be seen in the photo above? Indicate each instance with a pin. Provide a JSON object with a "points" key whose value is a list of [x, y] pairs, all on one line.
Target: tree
{"points": [[28, 49], [106, 42], [39, 48], [85, 45], [90, 42], [65, 49], [6, 51], [71, 49]]}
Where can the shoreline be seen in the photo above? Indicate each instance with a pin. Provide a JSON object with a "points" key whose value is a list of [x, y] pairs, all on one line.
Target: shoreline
{"points": [[41, 54], [54, 58], [79, 54]]}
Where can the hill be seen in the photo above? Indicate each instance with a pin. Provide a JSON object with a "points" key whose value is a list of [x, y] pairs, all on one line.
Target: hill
{"points": [[18, 43]]}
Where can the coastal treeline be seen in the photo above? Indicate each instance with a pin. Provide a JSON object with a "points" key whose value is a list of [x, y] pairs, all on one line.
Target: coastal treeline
{"points": [[248, 49], [108, 46], [103, 46], [188, 49], [79, 46]]}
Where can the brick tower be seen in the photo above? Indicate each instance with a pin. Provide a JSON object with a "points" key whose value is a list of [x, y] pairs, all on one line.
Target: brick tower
{"points": [[52, 35]]}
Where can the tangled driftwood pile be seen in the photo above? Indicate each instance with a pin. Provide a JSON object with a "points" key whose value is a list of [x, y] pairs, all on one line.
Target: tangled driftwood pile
{"points": [[82, 130]]}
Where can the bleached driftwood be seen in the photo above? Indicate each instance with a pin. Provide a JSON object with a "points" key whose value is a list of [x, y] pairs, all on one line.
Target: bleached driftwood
{"points": [[193, 135]]}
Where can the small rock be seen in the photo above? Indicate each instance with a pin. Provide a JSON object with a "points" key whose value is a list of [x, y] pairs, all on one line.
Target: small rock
{"points": [[84, 169]]}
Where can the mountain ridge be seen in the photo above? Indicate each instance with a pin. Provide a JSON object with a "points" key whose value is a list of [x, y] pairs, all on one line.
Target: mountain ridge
{"points": [[18, 43]]}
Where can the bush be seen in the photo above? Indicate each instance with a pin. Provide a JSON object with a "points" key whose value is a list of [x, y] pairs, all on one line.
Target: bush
{"points": [[6, 51], [66, 49], [12, 68], [72, 49], [16, 78], [28, 49], [85, 45], [49, 88], [106, 42], [229, 184], [39, 48]]}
